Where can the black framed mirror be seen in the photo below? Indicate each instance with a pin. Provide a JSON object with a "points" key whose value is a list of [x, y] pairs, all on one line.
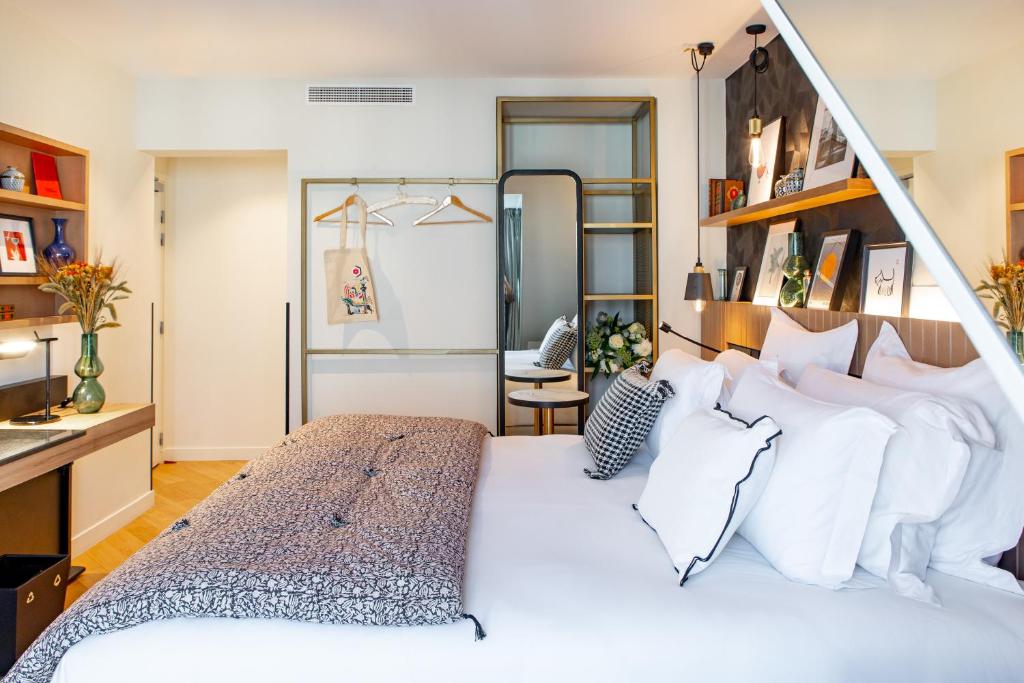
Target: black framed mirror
{"points": [[540, 293]]}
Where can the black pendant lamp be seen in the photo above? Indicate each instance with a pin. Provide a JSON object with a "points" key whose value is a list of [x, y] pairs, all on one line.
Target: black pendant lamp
{"points": [[759, 63], [698, 283]]}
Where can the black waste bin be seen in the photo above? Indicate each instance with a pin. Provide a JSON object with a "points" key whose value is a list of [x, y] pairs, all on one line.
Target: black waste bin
{"points": [[32, 590]]}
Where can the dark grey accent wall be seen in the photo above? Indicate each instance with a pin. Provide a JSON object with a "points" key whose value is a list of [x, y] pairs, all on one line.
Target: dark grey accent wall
{"points": [[784, 90]]}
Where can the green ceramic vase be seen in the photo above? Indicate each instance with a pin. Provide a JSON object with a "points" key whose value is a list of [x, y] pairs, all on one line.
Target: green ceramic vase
{"points": [[89, 395], [1016, 339], [793, 292]]}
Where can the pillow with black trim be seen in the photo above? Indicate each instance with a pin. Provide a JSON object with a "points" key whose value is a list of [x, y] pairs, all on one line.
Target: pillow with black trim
{"points": [[705, 481], [622, 419], [558, 344]]}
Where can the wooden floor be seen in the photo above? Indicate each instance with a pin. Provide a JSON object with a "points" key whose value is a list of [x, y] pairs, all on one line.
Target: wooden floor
{"points": [[177, 487]]}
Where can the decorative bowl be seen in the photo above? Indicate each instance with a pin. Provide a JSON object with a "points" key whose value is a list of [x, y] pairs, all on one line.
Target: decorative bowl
{"points": [[12, 179]]}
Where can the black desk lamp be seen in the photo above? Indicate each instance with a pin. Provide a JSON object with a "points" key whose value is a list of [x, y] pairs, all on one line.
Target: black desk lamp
{"points": [[20, 349]]}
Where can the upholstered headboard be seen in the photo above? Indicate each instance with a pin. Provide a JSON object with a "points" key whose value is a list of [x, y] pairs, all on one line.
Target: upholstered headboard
{"points": [[935, 342]]}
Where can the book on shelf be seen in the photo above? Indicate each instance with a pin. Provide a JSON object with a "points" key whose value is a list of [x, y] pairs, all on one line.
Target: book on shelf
{"points": [[44, 170], [721, 193]]}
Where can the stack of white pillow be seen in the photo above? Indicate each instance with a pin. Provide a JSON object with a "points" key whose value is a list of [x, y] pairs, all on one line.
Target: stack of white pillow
{"points": [[897, 472]]}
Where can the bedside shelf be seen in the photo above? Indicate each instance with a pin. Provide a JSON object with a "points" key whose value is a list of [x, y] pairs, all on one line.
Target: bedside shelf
{"points": [[37, 322], [26, 199], [833, 193]]}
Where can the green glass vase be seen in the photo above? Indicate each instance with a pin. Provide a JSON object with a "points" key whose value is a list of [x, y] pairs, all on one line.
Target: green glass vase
{"points": [[89, 395], [794, 291], [1016, 339]]}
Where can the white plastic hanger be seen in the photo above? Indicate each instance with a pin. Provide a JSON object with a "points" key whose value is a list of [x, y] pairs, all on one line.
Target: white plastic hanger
{"points": [[452, 200], [399, 199], [349, 201]]}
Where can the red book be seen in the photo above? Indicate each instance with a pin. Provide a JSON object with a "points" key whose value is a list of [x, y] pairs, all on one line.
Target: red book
{"points": [[44, 169]]}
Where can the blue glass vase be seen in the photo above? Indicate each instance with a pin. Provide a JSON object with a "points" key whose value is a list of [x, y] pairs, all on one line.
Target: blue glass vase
{"points": [[59, 252]]}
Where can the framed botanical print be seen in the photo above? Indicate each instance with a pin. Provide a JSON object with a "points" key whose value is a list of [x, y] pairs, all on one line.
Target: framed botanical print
{"points": [[18, 256], [763, 176], [885, 279], [829, 270], [737, 283], [776, 250], [830, 156]]}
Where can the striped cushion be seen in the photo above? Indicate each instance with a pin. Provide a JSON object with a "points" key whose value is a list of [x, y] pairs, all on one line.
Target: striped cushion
{"points": [[622, 419], [558, 344]]}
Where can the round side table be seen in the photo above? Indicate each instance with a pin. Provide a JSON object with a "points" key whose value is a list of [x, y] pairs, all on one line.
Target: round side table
{"points": [[538, 377], [547, 400]]}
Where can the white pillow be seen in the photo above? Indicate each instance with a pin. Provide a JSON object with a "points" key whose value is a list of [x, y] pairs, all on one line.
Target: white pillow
{"points": [[987, 516], [923, 468], [697, 384], [794, 348], [811, 518], [736, 363], [704, 483]]}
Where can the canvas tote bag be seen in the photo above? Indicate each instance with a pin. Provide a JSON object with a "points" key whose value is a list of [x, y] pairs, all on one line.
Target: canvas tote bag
{"points": [[350, 294]]}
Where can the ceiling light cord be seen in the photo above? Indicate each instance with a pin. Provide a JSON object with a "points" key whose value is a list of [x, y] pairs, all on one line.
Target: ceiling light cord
{"points": [[698, 68]]}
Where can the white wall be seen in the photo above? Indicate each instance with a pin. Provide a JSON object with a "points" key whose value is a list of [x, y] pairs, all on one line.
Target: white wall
{"points": [[61, 92], [223, 391], [449, 131]]}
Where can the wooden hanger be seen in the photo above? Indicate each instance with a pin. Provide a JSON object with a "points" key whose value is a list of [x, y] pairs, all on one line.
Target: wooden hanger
{"points": [[400, 198], [452, 200], [349, 201]]}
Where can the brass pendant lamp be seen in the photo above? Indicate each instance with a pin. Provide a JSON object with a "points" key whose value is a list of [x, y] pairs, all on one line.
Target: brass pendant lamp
{"points": [[759, 63], [698, 282]]}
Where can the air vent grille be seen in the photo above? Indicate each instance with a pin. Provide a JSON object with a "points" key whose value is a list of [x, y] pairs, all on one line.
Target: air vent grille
{"points": [[360, 94]]}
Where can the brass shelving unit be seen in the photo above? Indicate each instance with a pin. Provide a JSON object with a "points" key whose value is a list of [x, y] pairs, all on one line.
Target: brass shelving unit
{"points": [[640, 115]]}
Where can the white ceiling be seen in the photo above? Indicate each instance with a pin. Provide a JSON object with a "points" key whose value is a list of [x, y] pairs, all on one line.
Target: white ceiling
{"points": [[905, 39], [400, 38]]}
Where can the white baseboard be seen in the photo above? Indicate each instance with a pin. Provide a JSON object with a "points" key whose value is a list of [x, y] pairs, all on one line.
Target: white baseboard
{"points": [[87, 538], [214, 453]]}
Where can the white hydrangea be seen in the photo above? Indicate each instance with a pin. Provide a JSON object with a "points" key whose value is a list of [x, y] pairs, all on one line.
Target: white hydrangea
{"points": [[616, 341]]}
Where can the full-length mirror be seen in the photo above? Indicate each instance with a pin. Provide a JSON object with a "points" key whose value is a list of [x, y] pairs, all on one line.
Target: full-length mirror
{"points": [[938, 88], [539, 301]]}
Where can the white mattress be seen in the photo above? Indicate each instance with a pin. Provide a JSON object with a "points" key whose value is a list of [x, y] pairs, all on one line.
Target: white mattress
{"points": [[572, 586], [517, 416]]}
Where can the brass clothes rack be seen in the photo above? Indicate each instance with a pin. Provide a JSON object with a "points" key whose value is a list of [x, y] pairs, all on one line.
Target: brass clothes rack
{"points": [[306, 350]]}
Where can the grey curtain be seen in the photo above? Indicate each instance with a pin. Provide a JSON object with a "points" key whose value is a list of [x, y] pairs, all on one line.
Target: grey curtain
{"points": [[513, 278]]}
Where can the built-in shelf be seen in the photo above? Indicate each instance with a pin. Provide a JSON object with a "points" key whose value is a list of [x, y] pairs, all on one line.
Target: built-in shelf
{"points": [[616, 228], [617, 181], [26, 199], [1016, 206], [37, 322], [618, 297], [22, 280], [833, 193]]}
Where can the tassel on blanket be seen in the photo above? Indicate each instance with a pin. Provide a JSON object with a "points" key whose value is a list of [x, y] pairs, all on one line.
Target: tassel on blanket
{"points": [[479, 633]]}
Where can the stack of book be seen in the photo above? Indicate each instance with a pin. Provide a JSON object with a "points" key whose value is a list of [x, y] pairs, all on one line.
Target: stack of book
{"points": [[721, 193]]}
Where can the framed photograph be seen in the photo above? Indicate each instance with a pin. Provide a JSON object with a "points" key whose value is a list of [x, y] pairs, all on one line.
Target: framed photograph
{"points": [[830, 156], [829, 270], [762, 178], [770, 277], [737, 283], [18, 256], [885, 279]]}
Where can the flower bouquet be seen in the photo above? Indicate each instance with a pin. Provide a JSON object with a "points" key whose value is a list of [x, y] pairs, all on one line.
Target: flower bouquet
{"points": [[89, 292], [613, 346], [1005, 289]]}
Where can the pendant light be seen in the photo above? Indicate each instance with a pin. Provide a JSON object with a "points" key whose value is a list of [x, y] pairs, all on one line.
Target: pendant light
{"points": [[759, 63], [698, 283]]}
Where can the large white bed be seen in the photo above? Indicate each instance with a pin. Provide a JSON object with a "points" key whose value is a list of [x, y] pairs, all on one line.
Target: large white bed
{"points": [[571, 585]]}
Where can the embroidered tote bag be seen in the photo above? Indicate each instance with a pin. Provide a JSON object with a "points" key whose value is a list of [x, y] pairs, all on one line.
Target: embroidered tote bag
{"points": [[350, 294]]}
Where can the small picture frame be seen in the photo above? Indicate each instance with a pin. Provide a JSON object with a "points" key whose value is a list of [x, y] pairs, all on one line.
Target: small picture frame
{"points": [[763, 177], [828, 272], [737, 283], [18, 252], [885, 279], [830, 156], [776, 250]]}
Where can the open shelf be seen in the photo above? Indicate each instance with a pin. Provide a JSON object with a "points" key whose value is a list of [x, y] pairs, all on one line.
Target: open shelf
{"points": [[615, 228], [37, 321], [618, 297], [22, 280], [26, 199], [1016, 206], [833, 193]]}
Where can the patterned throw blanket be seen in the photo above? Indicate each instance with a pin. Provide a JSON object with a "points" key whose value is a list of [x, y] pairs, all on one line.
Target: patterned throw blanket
{"points": [[354, 519]]}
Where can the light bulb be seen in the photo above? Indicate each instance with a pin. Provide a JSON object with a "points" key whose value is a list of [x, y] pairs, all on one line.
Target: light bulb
{"points": [[756, 154], [698, 305]]}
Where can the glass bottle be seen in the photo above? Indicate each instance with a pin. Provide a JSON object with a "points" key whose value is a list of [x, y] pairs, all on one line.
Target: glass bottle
{"points": [[794, 291]]}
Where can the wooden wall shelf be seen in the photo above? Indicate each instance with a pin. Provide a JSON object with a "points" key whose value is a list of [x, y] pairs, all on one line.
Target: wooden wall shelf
{"points": [[38, 321], [22, 280], [26, 199], [833, 193], [1015, 204]]}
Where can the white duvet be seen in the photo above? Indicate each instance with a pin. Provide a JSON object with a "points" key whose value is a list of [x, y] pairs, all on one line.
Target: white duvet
{"points": [[570, 585]]}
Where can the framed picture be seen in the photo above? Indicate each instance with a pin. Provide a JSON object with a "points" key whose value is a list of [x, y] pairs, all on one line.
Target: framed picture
{"points": [[830, 156], [737, 283], [770, 277], [829, 270], [885, 279], [762, 178], [18, 256]]}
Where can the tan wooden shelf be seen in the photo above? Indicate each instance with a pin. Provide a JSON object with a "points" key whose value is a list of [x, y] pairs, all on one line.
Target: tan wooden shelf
{"points": [[833, 193], [22, 280], [615, 228], [617, 181], [37, 321], [39, 143], [26, 199], [618, 297], [1016, 206]]}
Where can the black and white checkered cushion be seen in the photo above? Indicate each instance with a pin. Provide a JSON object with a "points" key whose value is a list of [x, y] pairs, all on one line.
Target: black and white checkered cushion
{"points": [[558, 344], [622, 419]]}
